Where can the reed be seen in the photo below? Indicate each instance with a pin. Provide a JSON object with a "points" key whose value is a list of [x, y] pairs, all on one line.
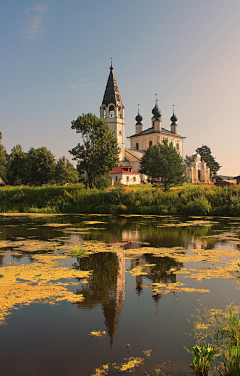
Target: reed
{"points": [[188, 200]]}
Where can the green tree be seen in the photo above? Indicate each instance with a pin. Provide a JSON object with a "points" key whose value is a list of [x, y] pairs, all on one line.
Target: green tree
{"points": [[41, 166], [189, 159], [98, 154], [3, 160], [207, 157], [102, 181], [163, 165], [17, 166], [65, 172]]}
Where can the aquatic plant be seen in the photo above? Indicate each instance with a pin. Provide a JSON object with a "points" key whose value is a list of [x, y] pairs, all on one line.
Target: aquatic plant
{"points": [[79, 253], [222, 330], [202, 359]]}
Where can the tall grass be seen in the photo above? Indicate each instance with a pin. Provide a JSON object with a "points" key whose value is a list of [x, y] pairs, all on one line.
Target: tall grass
{"points": [[189, 200], [220, 329]]}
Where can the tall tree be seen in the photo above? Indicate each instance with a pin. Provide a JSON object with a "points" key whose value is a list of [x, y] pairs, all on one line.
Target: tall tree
{"points": [[3, 160], [189, 159], [17, 166], [207, 157], [98, 153], [163, 165], [41, 166], [65, 172]]}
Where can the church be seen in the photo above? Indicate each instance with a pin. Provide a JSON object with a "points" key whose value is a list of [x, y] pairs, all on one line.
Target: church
{"points": [[112, 111]]}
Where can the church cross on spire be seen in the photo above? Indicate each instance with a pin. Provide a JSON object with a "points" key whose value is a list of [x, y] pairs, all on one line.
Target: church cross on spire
{"points": [[173, 107], [111, 68], [138, 107]]}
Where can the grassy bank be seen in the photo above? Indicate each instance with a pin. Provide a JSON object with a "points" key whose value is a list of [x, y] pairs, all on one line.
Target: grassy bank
{"points": [[189, 200]]}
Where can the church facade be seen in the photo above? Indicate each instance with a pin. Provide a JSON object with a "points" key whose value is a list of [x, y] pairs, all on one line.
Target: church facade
{"points": [[112, 111]]}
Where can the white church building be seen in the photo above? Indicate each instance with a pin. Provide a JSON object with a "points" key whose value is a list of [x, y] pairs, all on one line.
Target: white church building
{"points": [[112, 111]]}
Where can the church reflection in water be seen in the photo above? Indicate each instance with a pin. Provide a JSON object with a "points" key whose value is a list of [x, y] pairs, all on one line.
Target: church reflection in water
{"points": [[107, 283]]}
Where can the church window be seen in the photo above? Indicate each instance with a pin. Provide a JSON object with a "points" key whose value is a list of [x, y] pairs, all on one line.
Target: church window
{"points": [[199, 175], [120, 132], [119, 113], [137, 146], [177, 146], [150, 143], [104, 113], [111, 111]]}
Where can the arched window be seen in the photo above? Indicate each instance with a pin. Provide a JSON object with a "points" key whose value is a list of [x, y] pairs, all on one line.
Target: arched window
{"points": [[177, 147], [199, 175], [150, 143], [137, 146], [104, 113], [119, 112], [111, 111]]}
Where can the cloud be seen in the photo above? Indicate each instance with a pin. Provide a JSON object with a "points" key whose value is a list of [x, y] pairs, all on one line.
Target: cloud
{"points": [[34, 22], [75, 86]]}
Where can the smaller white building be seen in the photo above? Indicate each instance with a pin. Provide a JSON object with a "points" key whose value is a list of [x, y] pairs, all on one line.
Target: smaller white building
{"points": [[198, 171], [125, 175]]}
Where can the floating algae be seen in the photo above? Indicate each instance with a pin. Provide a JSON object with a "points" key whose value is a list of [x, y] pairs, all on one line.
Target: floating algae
{"points": [[189, 223], [147, 352], [130, 364], [101, 371], [37, 282], [166, 288], [98, 333], [29, 245], [138, 270]]}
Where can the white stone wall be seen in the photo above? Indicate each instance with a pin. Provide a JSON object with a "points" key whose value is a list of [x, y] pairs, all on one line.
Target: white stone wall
{"points": [[126, 179]]}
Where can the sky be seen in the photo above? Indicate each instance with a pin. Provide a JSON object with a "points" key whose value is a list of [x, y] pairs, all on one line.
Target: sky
{"points": [[55, 57]]}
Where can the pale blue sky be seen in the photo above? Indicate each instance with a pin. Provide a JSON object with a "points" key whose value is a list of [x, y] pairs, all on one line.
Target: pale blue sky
{"points": [[55, 58]]}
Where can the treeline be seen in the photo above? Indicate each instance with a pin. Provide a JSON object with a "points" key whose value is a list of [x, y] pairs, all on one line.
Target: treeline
{"points": [[36, 167], [190, 200]]}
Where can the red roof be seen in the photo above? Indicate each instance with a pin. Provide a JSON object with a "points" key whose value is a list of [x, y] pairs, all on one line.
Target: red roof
{"points": [[123, 169]]}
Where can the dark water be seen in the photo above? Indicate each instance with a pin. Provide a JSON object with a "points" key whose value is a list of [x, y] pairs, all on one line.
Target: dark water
{"points": [[43, 339]]}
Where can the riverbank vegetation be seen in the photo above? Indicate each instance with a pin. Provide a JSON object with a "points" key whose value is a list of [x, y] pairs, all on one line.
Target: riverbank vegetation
{"points": [[187, 200], [217, 332]]}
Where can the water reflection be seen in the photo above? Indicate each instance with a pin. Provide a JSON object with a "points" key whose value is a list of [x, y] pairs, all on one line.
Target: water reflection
{"points": [[155, 269], [106, 285]]}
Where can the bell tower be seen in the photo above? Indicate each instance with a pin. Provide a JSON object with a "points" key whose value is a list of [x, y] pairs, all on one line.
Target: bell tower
{"points": [[112, 111]]}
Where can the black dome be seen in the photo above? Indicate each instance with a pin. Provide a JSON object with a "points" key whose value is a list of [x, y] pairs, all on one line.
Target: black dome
{"points": [[138, 118], [156, 112], [173, 118]]}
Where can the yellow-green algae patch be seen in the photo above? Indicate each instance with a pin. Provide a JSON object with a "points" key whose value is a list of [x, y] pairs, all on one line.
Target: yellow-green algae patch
{"points": [[37, 282], [138, 270], [189, 223], [97, 333], [29, 245], [166, 288], [147, 352], [102, 370], [130, 364]]}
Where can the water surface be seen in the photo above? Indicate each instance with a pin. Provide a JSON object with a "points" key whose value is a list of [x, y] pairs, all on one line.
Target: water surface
{"points": [[41, 337]]}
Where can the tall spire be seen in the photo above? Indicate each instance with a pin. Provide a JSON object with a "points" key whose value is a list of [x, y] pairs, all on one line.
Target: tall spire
{"points": [[111, 94]]}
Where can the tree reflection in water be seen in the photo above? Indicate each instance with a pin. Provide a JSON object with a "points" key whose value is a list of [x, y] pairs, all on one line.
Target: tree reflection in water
{"points": [[157, 269], [106, 285]]}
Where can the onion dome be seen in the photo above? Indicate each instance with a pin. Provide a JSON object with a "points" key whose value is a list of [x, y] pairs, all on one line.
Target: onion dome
{"points": [[156, 112], [173, 118], [138, 118]]}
